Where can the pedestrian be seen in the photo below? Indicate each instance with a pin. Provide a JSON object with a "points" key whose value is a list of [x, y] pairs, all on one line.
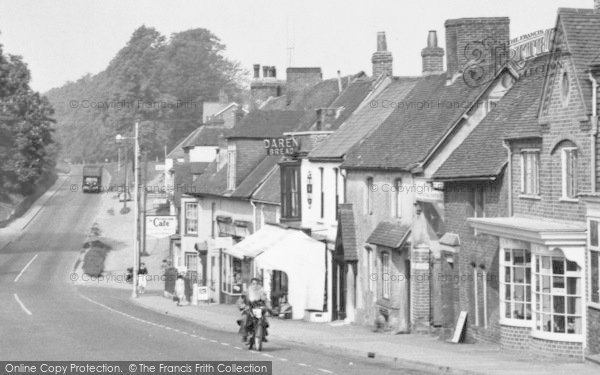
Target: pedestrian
{"points": [[180, 290], [142, 273]]}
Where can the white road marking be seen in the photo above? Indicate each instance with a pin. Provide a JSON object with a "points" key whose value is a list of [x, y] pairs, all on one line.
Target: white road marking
{"points": [[303, 364], [225, 344], [267, 355], [325, 371], [237, 347], [282, 359], [25, 268], [22, 305]]}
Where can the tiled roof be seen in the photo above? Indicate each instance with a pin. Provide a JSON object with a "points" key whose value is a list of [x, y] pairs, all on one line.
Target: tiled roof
{"points": [[270, 190], [482, 153], [419, 121], [212, 182], [177, 151], [389, 233], [347, 232], [363, 121], [206, 136], [198, 167], [263, 124], [256, 177], [582, 32]]}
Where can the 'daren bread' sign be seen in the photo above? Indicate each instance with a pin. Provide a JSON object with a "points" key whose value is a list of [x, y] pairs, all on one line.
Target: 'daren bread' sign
{"points": [[281, 146]]}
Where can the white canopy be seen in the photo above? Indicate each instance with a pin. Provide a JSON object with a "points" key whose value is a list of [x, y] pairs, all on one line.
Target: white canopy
{"points": [[301, 257]]}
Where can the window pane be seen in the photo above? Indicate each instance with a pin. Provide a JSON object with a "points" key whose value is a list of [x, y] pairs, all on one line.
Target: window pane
{"points": [[519, 258], [528, 294], [559, 304], [507, 309], [546, 284], [546, 323], [546, 263], [559, 323], [507, 256], [519, 311], [573, 304], [519, 275], [573, 285], [572, 266], [558, 266], [574, 325], [558, 282], [507, 294], [507, 274], [519, 293], [546, 304]]}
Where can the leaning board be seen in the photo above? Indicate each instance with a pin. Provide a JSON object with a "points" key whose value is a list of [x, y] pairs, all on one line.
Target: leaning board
{"points": [[460, 326]]}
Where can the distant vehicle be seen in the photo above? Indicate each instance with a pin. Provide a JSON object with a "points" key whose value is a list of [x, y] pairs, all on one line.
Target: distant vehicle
{"points": [[92, 178]]}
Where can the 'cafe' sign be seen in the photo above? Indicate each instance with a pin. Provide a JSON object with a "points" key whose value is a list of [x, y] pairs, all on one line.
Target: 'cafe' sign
{"points": [[281, 146]]}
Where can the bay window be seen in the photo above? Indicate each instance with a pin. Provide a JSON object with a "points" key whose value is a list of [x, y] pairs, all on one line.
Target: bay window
{"points": [[558, 304], [290, 191], [515, 282]]}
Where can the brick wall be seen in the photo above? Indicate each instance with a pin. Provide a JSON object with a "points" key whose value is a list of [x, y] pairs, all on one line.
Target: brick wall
{"points": [[515, 338], [249, 152], [420, 288], [553, 349], [476, 252], [593, 330], [466, 34]]}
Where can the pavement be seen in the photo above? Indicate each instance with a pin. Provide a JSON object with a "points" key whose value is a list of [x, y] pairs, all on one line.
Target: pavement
{"points": [[44, 315], [411, 351]]}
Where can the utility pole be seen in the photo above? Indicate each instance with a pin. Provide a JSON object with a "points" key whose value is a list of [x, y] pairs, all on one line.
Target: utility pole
{"points": [[144, 175], [136, 211]]}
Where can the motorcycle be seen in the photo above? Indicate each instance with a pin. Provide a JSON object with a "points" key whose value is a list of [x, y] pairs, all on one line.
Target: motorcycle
{"points": [[257, 325]]}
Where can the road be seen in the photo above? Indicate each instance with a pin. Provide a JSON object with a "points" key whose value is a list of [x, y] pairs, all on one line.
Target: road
{"points": [[43, 316]]}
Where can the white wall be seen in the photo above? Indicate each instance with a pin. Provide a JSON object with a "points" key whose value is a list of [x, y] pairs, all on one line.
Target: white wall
{"points": [[203, 154]]}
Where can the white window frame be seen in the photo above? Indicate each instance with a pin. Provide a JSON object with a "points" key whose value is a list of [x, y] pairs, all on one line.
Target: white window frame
{"points": [[372, 276], [559, 336], [512, 285], [191, 266], [397, 201], [189, 219], [564, 159], [369, 195], [593, 249], [535, 173]]}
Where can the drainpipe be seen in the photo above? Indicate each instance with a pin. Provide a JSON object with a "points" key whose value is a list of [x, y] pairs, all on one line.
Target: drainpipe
{"points": [[254, 213], [594, 131], [510, 202]]}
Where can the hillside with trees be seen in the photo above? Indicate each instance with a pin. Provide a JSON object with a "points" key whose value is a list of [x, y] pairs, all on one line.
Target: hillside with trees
{"points": [[27, 150], [162, 81]]}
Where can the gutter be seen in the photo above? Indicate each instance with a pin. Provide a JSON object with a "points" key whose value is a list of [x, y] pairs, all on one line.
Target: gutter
{"points": [[594, 131], [509, 152]]}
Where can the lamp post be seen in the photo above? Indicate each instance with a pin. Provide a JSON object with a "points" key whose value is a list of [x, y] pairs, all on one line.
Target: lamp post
{"points": [[135, 138]]}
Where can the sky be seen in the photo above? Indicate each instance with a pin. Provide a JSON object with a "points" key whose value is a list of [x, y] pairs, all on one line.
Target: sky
{"points": [[62, 40]]}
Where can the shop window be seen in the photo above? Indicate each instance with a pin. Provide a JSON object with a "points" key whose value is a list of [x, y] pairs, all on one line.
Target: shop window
{"points": [[191, 218], [385, 274], [191, 261], [530, 160], [594, 263], [515, 284], [558, 305], [569, 172], [290, 192], [232, 275]]}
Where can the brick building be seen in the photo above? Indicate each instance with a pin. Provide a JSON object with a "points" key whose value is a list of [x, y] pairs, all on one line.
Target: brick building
{"points": [[530, 265]]}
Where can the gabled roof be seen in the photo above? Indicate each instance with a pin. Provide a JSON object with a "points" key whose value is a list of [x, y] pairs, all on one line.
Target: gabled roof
{"points": [[416, 125], [206, 136], [389, 233], [177, 151], [258, 175], [212, 182], [582, 35], [363, 121], [482, 154], [265, 124], [270, 190]]}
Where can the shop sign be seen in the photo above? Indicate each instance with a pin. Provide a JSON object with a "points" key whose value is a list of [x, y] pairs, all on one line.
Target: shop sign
{"points": [[281, 146], [161, 226]]}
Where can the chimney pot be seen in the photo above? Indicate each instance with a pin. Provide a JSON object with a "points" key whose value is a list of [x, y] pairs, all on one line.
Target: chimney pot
{"points": [[382, 58], [274, 72], [265, 71], [381, 42], [432, 41]]}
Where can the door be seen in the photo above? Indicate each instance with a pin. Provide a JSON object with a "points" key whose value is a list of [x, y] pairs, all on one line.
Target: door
{"points": [[339, 291]]}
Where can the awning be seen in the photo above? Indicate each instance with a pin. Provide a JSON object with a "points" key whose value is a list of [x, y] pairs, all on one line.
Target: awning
{"points": [[301, 257], [570, 236]]}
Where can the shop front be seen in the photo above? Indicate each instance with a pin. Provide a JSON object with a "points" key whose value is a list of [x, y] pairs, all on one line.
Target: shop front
{"points": [[542, 284], [291, 265]]}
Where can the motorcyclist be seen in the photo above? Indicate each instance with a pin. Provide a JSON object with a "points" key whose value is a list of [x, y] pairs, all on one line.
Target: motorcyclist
{"points": [[255, 294]]}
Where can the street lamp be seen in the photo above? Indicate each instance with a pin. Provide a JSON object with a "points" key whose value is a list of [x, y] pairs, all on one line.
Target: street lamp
{"points": [[119, 138]]}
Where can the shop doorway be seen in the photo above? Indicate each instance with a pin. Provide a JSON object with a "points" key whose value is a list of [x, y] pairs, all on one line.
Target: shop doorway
{"points": [[339, 290]]}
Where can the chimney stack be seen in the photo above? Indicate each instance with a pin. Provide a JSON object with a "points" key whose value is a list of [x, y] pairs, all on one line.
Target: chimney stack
{"points": [[382, 58], [265, 71], [273, 72], [433, 56], [256, 71], [597, 4], [480, 41]]}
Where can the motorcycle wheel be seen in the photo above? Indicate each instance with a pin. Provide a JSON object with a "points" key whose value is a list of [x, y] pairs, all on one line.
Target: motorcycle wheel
{"points": [[258, 343]]}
